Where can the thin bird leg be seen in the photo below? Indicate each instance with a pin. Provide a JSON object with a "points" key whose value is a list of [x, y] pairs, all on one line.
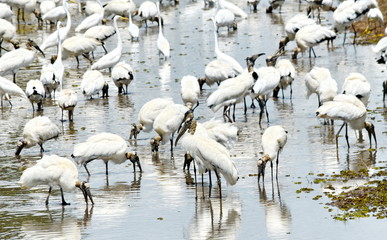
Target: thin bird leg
{"points": [[271, 167], [233, 112], [314, 54], [261, 106], [219, 183], [337, 134], [276, 166], [49, 192], [267, 113], [41, 147], [63, 201], [106, 164], [354, 31], [291, 91], [283, 95], [346, 134], [85, 56], [103, 46], [245, 105], [171, 141], [14, 77], [210, 186], [77, 61], [319, 102], [345, 34], [87, 170]]}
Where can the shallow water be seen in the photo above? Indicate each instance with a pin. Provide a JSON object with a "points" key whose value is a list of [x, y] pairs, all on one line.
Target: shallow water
{"points": [[161, 201]]}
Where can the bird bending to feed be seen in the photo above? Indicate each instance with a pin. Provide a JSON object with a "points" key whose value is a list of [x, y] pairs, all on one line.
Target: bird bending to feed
{"points": [[122, 75], [8, 88], [37, 131], [67, 101], [35, 93], [190, 91], [350, 110], [287, 73], [320, 81], [273, 140], [208, 154], [107, 147], [93, 83], [53, 170]]}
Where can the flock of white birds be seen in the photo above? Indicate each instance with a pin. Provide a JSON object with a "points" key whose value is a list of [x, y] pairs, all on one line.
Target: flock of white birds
{"points": [[206, 143]]}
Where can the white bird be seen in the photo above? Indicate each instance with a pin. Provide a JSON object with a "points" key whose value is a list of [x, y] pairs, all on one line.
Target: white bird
{"points": [[287, 73], [274, 4], [268, 79], [233, 8], [67, 101], [384, 90], [100, 33], [190, 91], [37, 131], [350, 11], [93, 83], [217, 71], [79, 45], [356, 84], [381, 47], [5, 11], [53, 171], [122, 75], [208, 154], [23, 6], [8, 88], [350, 110], [293, 26], [7, 32], [310, 36], [92, 7], [35, 93], [45, 6], [233, 90], [119, 7], [166, 124], [148, 11], [133, 29], [320, 82], [56, 14], [162, 42], [148, 113], [107, 147], [11, 61], [374, 14], [225, 18], [92, 20], [52, 39], [114, 56], [318, 5], [273, 140]]}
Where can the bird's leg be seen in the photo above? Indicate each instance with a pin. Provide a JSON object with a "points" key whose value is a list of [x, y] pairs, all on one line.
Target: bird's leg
{"points": [[24, 20], [354, 31], [346, 134], [267, 113], [261, 106], [41, 148], [291, 91], [63, 201], [14, 77], [233, 112], [345, 35], [314, 54], [40, 103], [210, 186], [271, 168], [48, 196], [171, 141], [106, 164], [283, 95], [219, 183], [337, 134], [252, 103], [276, 165], [319, 102], [77, 61], [87, 57], [87, 170], [245, 105], [103, 46]]}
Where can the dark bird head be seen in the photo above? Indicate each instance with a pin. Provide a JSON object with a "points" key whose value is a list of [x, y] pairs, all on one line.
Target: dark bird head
{"points": [[188, 123], [85, 188], [283, 42], [105, 90], [135, 130], [261, 164], [272, 60], [133, 157], [20, 146], [201, 82], [250, 61], [31, 43], [155, 143], [371, 132]]}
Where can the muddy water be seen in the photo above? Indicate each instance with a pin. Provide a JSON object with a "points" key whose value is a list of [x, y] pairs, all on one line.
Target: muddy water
{"points": [[161, 202]]}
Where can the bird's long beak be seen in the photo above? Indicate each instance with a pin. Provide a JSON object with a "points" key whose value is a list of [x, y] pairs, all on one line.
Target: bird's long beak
{"points": [[19, 148], [85, 188], [73, 1], [124, 18], [371, 132], [135, 160], [182, 130], [36, 47]]}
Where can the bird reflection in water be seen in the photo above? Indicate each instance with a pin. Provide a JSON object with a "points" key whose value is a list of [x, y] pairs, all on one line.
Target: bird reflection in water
{"points": [[277, 215]]}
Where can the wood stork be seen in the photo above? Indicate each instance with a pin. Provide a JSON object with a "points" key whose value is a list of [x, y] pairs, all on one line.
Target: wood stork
{"points": [[190, 91], [148, 113], [35, 93], [114, 56], [233, 8], [274, 4], [350, 11], [225, 18], [320, 82], [100, 33], [133, 29], [52, 39], [273, 140], [92, 7], [107, 147], [53, 171], [5, 11], [350, 110], [162, 42], [287, 73], [67, 101], [166, 124], [11, 61], [79, 45], [92, 20], [119, 7], [7, 32], [148, 11], [217, 71], [122, 75], [234, 90], [310, 36], [57, 13], [8, 88], [381, 47], [293, 26], [208, 154], [357, 84], [93, 83], [318, 5], [37, 131]]}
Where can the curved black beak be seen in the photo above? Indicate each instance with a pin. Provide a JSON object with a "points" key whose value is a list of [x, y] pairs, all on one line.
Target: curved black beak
{"points": [[32, 43], [19, 148], [135, 160], [371, 132], [182, 130], [85, 188]]}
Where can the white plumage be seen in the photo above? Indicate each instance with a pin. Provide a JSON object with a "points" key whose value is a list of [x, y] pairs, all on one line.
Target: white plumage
{"points": [[8, 88], [92, 83], [133, 29], [122, 75], [224, 133], [320, 82], [190, 91], [273, 140], [356, 84], [92, 7], [55, 171], [92, 20], [287, 73], [233, 8], [148, 11], [119, 7], [7, 31], [225, 18], [293, 26], [5, 11], [217, 71], [107, 147], [37, 131], [79, 45], [56, 13], [35, 93], [162, 42], [67, 101], [150, 110]]}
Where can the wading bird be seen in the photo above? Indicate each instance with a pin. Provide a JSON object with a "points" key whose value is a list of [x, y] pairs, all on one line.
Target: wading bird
{"points": [[148, 11], [320, 82], [93, 83], [8, 88], [233, 8], [133, 29], [79, 45], [67, 101], [208, 154], [122, 75], [107, 147], [162, 42], [37, 131], [53, 171], [7, 33], [273, 140], [225, 18], [350, 110], [35, 93], [100, 33], [91, 21], [356, 84], [119, 7], [190, 91], [287, 73]]}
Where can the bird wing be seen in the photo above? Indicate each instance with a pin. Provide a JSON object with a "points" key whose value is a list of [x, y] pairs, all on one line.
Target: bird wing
{"points": [[88, 22], [340, 110], [7, 86]]}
